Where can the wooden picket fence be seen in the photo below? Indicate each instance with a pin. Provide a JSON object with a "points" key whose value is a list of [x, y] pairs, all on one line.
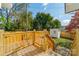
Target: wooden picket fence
{"points": [[69, 35], [12, 41]]}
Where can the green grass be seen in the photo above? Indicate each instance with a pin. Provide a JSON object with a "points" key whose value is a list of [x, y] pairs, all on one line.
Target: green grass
{"points": [[63, 42]]}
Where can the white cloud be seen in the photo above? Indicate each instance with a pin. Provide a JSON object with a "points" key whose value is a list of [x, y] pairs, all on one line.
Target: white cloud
{"points": [[64, 22], [45, 4]]}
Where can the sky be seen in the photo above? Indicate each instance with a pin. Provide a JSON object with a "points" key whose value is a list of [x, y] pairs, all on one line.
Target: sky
{"points": [[57, 10]]}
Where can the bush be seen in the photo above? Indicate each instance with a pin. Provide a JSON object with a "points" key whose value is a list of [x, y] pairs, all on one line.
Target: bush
{"points": [[63, 42]]}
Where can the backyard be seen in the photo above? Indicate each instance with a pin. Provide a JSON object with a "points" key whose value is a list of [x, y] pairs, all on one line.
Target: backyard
{"points": [[25, 26]]}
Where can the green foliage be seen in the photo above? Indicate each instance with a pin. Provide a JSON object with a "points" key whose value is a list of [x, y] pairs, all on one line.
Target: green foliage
{"points": [[41, 21], [63, 42], [3, 21], [8, 25], [23, 21], [56, 23], [4, 24], [22, 18], [45, 21]]}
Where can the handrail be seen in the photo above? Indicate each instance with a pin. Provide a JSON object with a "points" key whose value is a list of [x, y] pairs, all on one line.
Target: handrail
{"points": [[50, 42]]}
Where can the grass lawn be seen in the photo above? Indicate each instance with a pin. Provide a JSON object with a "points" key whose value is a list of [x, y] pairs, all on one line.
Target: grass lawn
{"points": [[63, 42]]}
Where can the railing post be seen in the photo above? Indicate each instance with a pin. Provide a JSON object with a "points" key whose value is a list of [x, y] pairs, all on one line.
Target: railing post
{"points": [[75, 44], [45, 40], [2, 42], [34, 36]]}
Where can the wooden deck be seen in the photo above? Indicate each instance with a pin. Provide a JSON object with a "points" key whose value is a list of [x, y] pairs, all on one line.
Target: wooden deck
{"points": [[34, 51]]}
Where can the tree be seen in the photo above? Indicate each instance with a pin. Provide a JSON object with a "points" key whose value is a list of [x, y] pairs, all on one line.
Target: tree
{"points": [[4, 24], [2, 21], [5, 18], [22, 18], [56, 23], [45, 21], [20, 23], [41, 21]]}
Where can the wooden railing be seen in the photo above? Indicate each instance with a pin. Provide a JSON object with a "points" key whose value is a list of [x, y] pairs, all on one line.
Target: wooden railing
{"points": [[11, 42], [44, 41], [75, 44], [50, 42]]}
